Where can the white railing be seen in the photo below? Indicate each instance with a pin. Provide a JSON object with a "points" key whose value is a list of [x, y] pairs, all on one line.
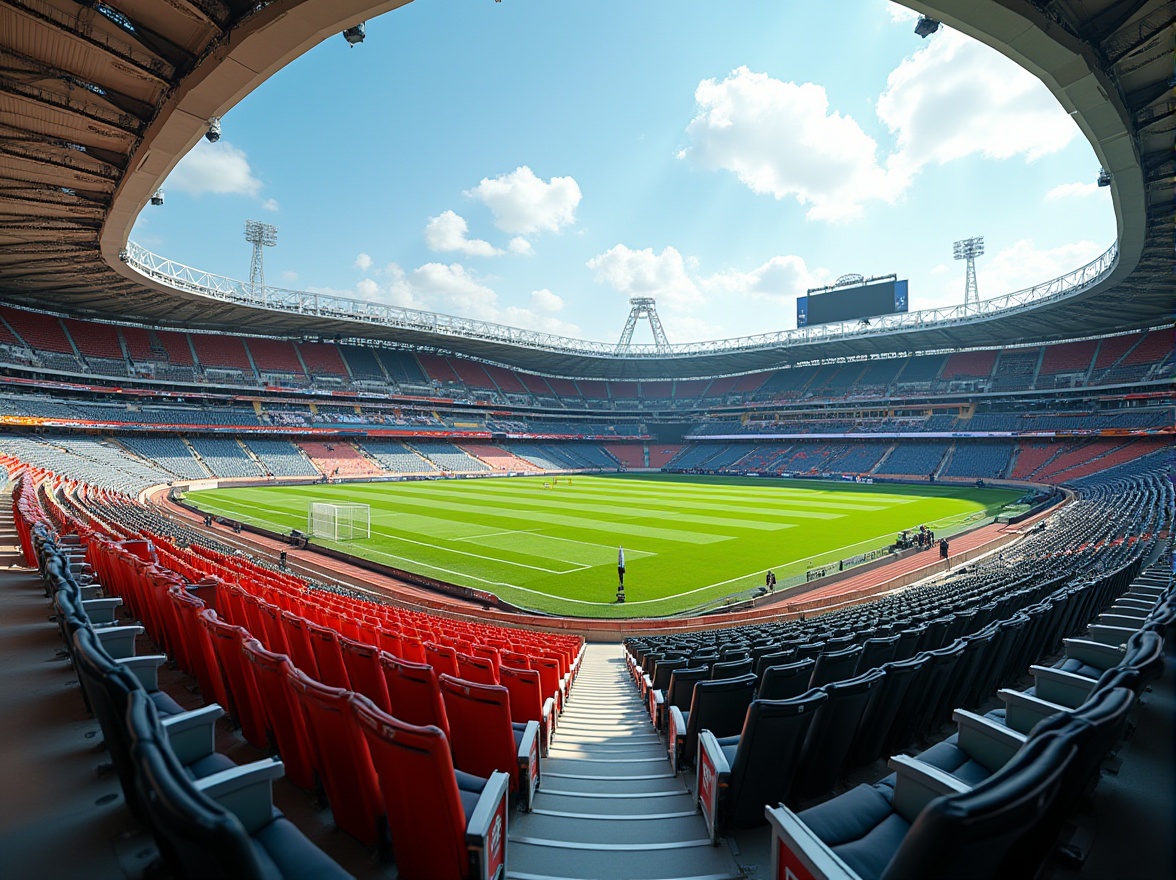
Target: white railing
{"points": [[218, 287]]}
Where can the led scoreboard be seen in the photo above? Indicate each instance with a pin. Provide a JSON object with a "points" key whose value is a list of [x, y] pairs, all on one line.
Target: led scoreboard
{"points": [[851, 298]]}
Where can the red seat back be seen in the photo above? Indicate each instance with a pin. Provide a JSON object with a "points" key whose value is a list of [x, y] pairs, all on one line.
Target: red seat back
{"points": [[416, 776], [414, 694], [480, 732], [287, 723], [298, 643], [364, 671], [324, 641], [245, 704], [477, 669], [341, 756], [526, 693], [442, 658]]}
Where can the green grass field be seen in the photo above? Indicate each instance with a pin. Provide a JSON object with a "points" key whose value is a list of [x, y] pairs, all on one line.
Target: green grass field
{"points": [[688, 540]]}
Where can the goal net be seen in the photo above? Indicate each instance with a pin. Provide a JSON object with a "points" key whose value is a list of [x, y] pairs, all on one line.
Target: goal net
{"points": [[339, 522]]}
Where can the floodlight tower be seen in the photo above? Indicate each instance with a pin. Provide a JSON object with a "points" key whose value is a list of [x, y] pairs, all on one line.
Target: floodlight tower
{"points": [[643, 307], [969, 249], [259, 235]]}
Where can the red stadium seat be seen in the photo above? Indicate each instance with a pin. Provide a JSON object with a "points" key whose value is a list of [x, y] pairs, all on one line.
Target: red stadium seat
{"points": [[287, 724], [414, 692], [443, 658], [484, 739], [528, 702], [245, 703], [477, 669], [324, 641], [364, 671], [298, 643], [439, 832], [341, 757]]}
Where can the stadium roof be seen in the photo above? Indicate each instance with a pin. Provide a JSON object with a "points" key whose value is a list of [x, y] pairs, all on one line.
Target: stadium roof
{"points": [[99, 101]]}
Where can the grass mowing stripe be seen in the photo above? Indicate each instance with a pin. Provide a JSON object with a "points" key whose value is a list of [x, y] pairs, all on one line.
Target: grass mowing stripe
{"points": [[672, 563]]}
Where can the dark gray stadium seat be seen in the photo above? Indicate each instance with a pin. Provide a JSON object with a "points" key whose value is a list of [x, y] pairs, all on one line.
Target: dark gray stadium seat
{"points": [[832, 733], [835, 666], [718, 706], [786, 681]]}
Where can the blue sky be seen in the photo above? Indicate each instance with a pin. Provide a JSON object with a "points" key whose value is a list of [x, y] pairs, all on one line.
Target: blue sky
{"points": [[537, 163]]}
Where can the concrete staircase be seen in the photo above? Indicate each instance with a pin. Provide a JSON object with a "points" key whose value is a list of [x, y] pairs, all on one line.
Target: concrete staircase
{"points": [[608, 806]]}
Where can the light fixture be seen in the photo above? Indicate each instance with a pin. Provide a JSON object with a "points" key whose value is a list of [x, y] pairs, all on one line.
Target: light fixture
{"points": [[1104, 177], [354, 35], [925, 26], [157, 197], [214, 130]]}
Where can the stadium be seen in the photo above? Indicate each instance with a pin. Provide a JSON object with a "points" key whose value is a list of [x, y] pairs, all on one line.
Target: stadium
{"points": [[345, 587]]}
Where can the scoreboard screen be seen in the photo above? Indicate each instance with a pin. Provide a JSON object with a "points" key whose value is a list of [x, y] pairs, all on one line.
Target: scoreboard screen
{"points": [[852, 303]]}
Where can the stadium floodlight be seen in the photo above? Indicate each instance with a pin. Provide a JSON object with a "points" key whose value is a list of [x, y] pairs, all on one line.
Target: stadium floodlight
{"points": [[1104, 177], [643, 307], [214, 130], [355, 34], [348, 521], [157, 197], [260, 235], [969, 249], [925, 26]]}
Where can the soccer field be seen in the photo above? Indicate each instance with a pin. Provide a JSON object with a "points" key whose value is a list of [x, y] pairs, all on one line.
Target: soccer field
{"points": [[688, 540]]}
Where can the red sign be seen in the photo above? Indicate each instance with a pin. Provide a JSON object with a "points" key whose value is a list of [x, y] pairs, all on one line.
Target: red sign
{"points": [[789, 866]]}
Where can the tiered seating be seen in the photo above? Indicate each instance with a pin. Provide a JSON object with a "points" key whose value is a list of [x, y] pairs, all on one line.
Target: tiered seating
{"points": [[439, 369], [402, 367], [1015, 369], [323, 359], [922, 370], [749, 383], [656, 390], [692, 390], [170, 453], [275, 356], [508, 381], [362, 364], [589, 389], [86, 459], [1137, 364], [969, 365], [1110, 351], [1073, 358], [338, 459], [500, 459], [628, 390], [225, 458], [913, 458], [281, 458], [661, 454], [982, 460], [628, 454], [98, 344], [861, 458], [222, 352], [40, 332], [396, 458], [448, 457], [470, 373]]}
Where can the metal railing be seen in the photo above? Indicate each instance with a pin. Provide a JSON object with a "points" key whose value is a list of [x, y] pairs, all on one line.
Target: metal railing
{"points": [[321, 305]]}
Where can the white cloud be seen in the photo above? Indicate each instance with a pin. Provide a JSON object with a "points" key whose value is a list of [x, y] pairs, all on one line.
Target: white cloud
{"points": [[957, 97], [219, 169], [644, 273], [546, 301], [447, 232], [271, 205], [901, 14], [688, 328], [780, 139], [515, 316], [523, 204], [1072, 190], [363, 262], [289, 275], [779, 278], [520, 245]]}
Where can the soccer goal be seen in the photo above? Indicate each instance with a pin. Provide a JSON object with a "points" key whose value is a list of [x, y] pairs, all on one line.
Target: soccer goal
{"points": [[339, 522]]}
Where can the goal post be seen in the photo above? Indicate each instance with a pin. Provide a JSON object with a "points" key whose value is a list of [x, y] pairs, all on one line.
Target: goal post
{"points": [[339, 522]]}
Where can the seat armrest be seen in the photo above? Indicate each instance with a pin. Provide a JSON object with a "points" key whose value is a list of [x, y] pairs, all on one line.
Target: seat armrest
{"points": [[118, 641], [146, 669], [192, 735], [1127, 611], [917, 784], [245, 790], [1143, 603], [529, 764], [646, 684], [710, 786], [485, 835], [797, 852], [549, 723], [90, 592], [985, 741], [675, 737], [1024, 711], [1113, 634], [657, 700], [1064, 688], [1093, 653], [101, 611]]}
